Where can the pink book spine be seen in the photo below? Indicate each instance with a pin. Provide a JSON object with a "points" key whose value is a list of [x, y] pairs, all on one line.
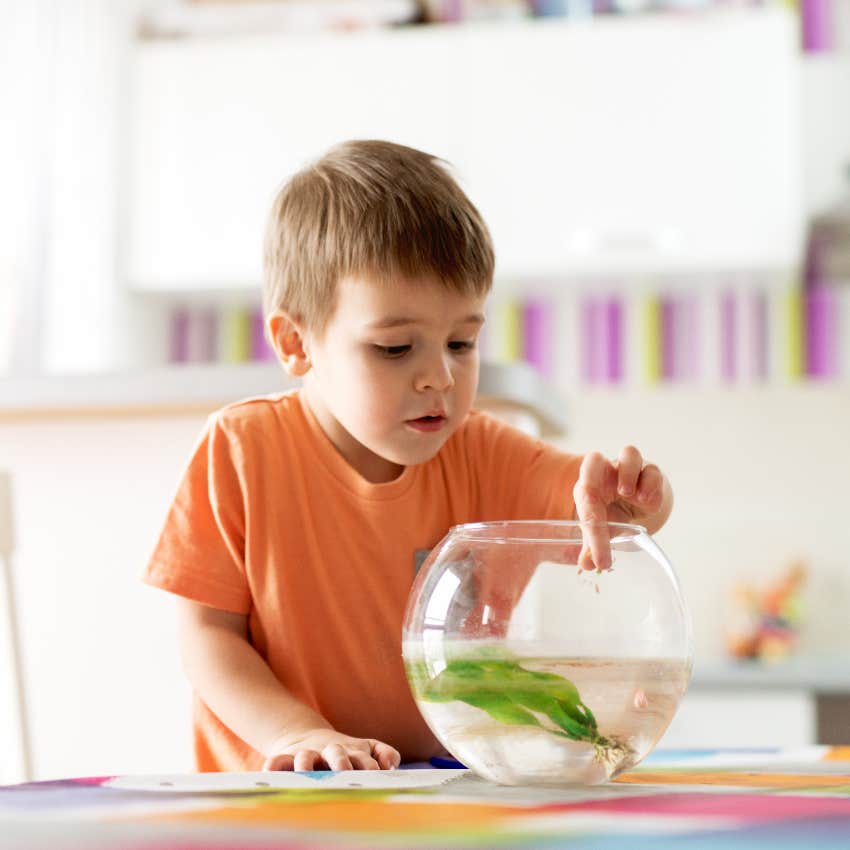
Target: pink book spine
{"points": [[537, 335], [691, 337], [816, 24], [260, 348], [821, 317], [614, 323], [587, 328], [599, 339]]}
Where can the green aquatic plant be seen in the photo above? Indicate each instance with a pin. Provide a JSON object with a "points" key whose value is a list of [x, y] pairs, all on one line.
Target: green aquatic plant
{"points": [[514, 695]]}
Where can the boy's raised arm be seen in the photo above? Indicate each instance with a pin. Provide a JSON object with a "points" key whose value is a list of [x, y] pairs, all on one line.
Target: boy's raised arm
{"points": [[236, 683]]}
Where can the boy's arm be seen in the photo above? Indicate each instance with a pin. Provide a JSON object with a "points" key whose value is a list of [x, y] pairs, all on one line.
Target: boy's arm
{"points": [[239, 687]]}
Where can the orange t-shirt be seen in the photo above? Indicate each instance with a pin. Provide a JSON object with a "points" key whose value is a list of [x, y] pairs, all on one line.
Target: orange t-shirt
{"points": [[270, 521]]}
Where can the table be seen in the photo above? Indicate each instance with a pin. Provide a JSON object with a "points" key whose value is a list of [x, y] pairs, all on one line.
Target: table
{"points": [[700, 800]]}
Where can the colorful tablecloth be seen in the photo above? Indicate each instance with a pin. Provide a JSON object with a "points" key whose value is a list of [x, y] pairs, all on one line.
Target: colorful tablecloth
{"points": [[731, 799]]}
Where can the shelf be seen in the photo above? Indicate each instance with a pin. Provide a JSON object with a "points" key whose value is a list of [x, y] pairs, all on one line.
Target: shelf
{"points": [[822, 673], [179, 390]]}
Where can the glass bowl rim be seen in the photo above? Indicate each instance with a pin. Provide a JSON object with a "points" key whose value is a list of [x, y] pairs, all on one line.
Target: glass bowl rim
{"points": [[468, 529]]}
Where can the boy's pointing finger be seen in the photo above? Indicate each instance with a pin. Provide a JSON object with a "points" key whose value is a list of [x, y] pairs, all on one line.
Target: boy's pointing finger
{"points": [[591, 494]]}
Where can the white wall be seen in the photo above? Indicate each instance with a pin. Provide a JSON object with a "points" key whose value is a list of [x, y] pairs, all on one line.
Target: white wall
{"points": [[759, 474], [106, 693]]}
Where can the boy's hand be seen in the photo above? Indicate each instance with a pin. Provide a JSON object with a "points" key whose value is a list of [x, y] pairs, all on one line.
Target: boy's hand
{"points": [[624, 490], [327, 749]]}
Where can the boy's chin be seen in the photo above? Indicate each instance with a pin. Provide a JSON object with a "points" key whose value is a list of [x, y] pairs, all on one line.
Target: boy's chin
{"points": [[414, 455]]}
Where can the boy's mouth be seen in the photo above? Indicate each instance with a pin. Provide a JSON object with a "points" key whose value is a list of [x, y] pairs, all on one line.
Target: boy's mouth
{"points": [[431, 422]]}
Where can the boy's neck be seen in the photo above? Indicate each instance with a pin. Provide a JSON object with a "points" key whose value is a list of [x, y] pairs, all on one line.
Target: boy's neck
{"points": [[374, 468]]}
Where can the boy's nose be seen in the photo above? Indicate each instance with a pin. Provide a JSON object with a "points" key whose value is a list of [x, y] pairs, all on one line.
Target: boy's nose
{"points": [[437, 375]]}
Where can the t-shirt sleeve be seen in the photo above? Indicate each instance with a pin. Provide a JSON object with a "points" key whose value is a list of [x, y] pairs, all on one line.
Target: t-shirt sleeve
{"points": [[518, 476], [200, 553]]}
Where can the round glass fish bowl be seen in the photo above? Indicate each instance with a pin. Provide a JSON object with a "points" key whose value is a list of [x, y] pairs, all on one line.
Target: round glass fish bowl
{"points": [[532, 670]]}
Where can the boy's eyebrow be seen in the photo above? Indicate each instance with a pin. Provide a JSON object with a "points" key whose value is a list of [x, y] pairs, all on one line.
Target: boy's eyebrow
{"points": [[397, 321]]}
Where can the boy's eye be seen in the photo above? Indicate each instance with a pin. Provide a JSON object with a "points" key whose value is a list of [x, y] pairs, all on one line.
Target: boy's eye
{"points": [[393, 350], [460, 345]]}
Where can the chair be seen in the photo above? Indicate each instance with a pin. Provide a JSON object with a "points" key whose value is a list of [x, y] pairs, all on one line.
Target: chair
{"points": [[7, 545]]}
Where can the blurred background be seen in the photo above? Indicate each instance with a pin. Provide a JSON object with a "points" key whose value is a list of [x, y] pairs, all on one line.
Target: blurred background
{"points": [[667, 183]]}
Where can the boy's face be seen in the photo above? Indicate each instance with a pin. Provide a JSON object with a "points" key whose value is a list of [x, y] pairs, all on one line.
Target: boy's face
{"points": [[395, 371]]}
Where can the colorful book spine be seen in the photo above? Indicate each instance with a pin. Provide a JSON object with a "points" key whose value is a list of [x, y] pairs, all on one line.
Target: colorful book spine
{"points": [[707, 341], [260, 348], [506, 344], [202, 335], [598, 329], [668, 342], [614, 331], [843, 298], [586, 353], [816, 25], [537, 335], [821, 341], [235, 335], [600, 340], [178, 348], [651, 334], [795, 334], [691, 337]]}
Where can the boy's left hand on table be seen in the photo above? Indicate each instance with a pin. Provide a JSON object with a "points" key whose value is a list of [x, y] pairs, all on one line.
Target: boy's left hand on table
{"points": [[623, 490]]}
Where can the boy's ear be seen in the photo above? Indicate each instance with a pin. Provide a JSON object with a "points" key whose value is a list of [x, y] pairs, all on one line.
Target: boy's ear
{"points": [[287, 339]]}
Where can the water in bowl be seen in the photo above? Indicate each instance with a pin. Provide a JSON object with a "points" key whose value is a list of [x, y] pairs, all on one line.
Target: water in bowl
{"points": [[522, 719]]}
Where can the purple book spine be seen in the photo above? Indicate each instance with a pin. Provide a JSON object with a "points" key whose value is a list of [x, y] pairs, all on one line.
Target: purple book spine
{"points": [[614, 319], [179, 342], [594, 323], [537, 336], [260, 349], [728, 336], [587, 329], [692, 342], [816, 24], [821, 333], [668, 371], [599, 338]]}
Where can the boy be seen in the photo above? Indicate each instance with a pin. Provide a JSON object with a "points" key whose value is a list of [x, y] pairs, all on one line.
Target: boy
{"points": [[292, 537]]}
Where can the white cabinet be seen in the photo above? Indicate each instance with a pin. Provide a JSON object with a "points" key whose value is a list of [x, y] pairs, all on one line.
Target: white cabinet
{"points": [[656, 143], [736, 718]]}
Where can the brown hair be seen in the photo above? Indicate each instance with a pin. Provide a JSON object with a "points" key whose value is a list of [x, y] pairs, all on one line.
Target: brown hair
{"points": [[370, 207]]}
